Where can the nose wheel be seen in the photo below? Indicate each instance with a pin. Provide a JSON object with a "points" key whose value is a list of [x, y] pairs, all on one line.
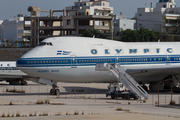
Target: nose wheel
{"points": [[54, 90]]}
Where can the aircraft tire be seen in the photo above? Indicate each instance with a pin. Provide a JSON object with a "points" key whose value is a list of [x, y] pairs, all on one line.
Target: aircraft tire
{"points": [[54, 92], [112, 96], [51, 92], [57, 92]]}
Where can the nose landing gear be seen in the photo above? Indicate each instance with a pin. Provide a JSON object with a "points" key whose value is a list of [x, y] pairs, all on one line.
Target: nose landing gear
{"points": [[54, 90]]}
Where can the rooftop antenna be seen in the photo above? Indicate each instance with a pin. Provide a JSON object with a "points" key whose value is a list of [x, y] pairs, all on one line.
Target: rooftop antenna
{"points": [[10, 16], [120, 13], [145, 3]]}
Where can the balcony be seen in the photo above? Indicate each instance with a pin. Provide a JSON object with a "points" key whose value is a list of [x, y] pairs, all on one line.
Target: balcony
{"points": [[96, 27], [169, 24]]}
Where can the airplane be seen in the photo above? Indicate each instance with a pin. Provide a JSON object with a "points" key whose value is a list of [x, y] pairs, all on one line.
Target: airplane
{"points": [[73, 59], [10, 73]]}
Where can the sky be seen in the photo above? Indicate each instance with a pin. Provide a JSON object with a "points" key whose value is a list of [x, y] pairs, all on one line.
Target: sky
{"points": [[10, 8]]}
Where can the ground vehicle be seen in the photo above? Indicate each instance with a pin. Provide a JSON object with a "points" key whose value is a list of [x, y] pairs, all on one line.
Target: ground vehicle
{"points": [[118, 89]]}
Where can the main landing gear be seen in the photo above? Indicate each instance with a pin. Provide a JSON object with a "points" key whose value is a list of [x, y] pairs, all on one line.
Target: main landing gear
{"points": [[54, 90]]}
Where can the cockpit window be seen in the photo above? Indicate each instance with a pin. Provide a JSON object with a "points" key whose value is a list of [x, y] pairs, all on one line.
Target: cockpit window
{"points": [[45, 43]]}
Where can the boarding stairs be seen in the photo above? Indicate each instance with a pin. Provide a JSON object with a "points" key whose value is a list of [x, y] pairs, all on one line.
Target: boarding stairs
{"points": [[126, 79]]}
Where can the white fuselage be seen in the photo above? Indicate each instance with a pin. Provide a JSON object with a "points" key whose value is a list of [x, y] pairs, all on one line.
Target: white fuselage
{"points": [[73, 59]]}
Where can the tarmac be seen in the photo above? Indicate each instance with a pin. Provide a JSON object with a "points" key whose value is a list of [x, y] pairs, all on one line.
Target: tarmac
{"points": [[81, 101]]}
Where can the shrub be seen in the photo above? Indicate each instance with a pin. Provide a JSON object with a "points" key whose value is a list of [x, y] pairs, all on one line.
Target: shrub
{"points": [[18, 114], [76, 113], [119, 109], [40, 102], [45, 114], [47, 101], [11, 103], [172, 102], [3, 115]]}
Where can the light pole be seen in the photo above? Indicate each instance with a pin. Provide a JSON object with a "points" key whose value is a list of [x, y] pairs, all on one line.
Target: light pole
{"points": [[14, 39]]}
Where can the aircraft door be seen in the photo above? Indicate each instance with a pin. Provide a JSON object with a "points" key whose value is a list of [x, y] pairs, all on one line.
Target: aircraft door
{"points": [[73, 61], [2, 68], [168, 59], [118, 60], [9, 67]]}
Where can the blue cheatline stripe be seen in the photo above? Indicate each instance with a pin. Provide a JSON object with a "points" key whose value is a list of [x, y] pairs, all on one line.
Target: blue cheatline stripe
{"points": [[92, 61]]}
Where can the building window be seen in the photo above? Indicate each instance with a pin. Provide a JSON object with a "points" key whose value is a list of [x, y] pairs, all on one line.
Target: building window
{"points": [[103, 24], [103, 4], [164, 6], [68, 22], [140, 14]]}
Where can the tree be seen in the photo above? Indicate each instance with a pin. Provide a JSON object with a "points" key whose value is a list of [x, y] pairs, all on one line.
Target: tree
{"points": [[91, 33], [142, 35]]}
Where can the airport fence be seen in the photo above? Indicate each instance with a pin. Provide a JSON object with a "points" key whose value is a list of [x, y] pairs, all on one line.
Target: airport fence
{"points": [[95, 95]]}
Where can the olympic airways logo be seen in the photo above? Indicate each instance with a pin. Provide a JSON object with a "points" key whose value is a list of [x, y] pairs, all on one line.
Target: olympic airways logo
{"points": [[61, 52]]}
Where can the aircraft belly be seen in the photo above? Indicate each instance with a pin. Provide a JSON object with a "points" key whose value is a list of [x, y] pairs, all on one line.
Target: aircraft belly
{"points": [[66, 74], [88, 74]]}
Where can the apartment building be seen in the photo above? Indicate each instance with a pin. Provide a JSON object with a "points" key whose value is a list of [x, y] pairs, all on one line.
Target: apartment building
{"points": [[1, 29], [163, 18], [93, 14]]}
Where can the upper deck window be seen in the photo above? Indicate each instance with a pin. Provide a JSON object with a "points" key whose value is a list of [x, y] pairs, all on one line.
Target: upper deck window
{"points": [[45, 43]]}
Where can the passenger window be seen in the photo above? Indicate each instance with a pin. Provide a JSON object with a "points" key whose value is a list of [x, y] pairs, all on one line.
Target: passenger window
{"points": [[34, 61], [37, 61], [46, 61], [43, 61], [79, 61], [49, 61], [27, 62]]}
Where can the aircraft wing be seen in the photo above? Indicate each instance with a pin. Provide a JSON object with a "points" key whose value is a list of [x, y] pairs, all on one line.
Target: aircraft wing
{"points": [[153, 72]]}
